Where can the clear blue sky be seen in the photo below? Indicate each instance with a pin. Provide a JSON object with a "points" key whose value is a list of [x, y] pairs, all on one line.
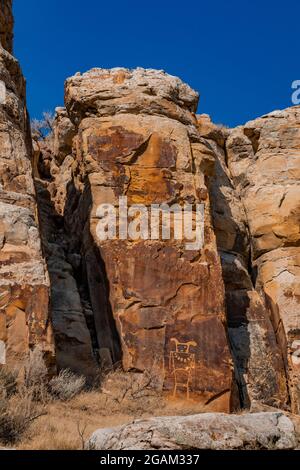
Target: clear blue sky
{"points": [[240, 55]]}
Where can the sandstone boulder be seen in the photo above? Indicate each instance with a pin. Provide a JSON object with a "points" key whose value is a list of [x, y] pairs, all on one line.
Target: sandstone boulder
{"points": [[102, 92], [208, 431]]}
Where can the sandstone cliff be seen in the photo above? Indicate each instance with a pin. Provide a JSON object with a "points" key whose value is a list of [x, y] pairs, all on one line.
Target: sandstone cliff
{"points": [[135, 134], [6, 25], [264, 161], [230, 308], [24, 283], [259, 368]]}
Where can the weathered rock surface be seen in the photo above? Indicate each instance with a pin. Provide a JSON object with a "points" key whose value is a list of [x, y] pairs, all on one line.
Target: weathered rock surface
{"points": [[6, 25], [259, 367], [24, 283], [102, 92], [264, 161], [137, 137], [215, 431], [152, 304], [69, 309]]}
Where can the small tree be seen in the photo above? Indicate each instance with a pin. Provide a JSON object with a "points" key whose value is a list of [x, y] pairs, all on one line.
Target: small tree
{"points": [[41, 128]]}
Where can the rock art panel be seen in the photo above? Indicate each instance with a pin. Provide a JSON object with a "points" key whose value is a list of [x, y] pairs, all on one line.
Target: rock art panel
{"points": [[144, 146]]}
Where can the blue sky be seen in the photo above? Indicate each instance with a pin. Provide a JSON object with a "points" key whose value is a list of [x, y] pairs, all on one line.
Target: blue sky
{"points": [[242, 56]]}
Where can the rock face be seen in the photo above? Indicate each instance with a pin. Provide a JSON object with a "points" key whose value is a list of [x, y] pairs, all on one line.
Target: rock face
{"points": [[259, 368], [208, 431], [154, 302], [264, 161], [190, 316], [24, 283], [70, 310], [6, 24]]}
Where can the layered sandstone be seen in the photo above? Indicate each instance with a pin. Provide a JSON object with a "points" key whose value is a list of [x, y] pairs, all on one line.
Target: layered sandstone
{"points": [[151, 304], [259, 368], [24, 282], [264, 161], [70, 309], [6, 25], [134, 134], [137, 137]]}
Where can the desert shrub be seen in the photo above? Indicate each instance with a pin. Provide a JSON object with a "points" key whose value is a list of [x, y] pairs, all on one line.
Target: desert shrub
{"points": [[8, 381], [16, 415], [35, 370], [132, 393], [66, 385], [36, 375]]}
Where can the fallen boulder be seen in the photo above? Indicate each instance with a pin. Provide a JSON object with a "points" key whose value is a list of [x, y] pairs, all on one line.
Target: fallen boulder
{"points": [[207, 431]]}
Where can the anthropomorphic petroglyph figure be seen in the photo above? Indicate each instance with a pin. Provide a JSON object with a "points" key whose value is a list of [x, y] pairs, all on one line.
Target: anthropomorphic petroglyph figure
{"points": [[182, 363]]}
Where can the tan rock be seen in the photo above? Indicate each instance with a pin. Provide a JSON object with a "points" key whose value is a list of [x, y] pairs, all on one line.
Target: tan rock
{"points": [[279, 280], [64, 132], [259, 369], [24, 283], [264, 160], [6, 24], [106, 92], [152, 295], [207, 431]]}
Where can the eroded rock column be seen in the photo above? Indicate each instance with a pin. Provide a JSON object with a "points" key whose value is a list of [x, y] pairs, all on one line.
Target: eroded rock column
{"points": [[259, 368], [71, 313], [264, 160], [24, 283], [153, 301], [6, 25]]}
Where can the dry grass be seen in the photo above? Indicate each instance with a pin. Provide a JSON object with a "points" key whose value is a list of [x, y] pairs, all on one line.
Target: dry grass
{"points": [[67, 414], [17, 408], [25, 396], [122, 399], [59, 429]]}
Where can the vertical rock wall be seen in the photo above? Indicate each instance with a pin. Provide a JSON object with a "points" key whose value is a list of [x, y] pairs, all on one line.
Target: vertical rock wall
{"points": [[71, 313], [151, 303], [259, 367], [6, 25], [151, 299], [24, 283], [264, 160]]}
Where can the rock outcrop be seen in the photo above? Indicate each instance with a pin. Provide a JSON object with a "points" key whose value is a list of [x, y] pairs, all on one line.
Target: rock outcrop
{"points": [[137, 137], [70, 309], [207, 431], [259, 368], [24, 282], [190, 316], [264, 161], [6, 25]]}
